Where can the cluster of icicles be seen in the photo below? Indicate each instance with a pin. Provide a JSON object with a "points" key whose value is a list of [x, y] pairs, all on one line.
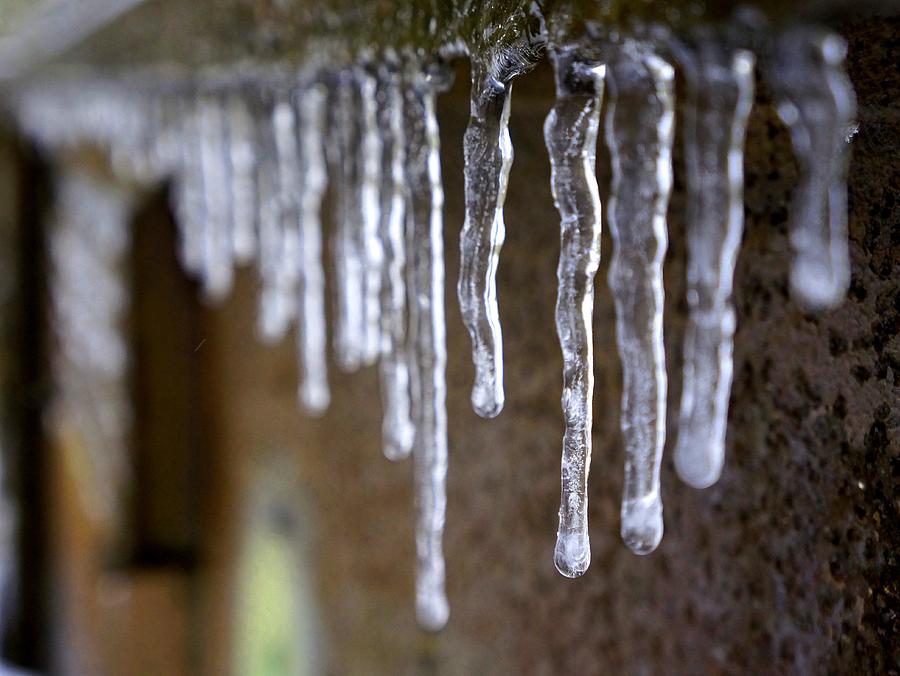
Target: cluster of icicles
{"points": [[250, 160]]}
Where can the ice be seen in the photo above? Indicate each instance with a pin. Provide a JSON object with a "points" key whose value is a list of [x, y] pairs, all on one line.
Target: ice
{"points": [[488, 155], [571, 134], [397, 430], [718, 97], [639, 129], [427, 339], [314, 392], [816, 101]]}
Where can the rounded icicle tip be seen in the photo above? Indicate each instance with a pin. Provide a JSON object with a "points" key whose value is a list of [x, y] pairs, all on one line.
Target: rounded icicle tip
{"points": [[487, 398], [642, 524], [817, 286], [432, 612], [698, 462], [572, 555]]}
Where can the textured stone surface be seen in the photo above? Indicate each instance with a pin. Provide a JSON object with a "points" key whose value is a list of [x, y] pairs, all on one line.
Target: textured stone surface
{"points": [[787, 566]]}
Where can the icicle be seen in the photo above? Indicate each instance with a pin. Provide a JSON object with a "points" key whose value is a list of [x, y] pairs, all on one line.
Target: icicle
{"points": [[719, 94], [218, 270], [275, 307], [373, 254], [817, 103], [314, 393], [488, 158], [189, 204], [287, 270], [427, 342], [639, 126], [243, 178], [349, 261], [571, 135], [397, 430]]}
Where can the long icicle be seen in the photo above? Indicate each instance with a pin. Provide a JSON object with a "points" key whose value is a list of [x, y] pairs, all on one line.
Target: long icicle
{"points": [[571, 135], [719, 95], [639, 127], [427, 343], [488, 157], [817, 103], [349, 261], [313, 392], [370, 216], [275, 308], [397, 430]]}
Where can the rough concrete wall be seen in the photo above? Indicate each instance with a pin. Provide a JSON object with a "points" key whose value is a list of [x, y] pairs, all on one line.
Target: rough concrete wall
{"points": [[787, 566]]}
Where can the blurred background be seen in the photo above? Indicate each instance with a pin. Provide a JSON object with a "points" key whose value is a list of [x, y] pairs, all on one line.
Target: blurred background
{"points": [[168, 509]]}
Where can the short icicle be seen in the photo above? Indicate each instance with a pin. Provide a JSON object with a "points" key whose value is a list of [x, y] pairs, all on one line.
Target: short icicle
{"points": [[639, 129], [397, 430], [243, 178], [427, 341], [816, 101], [488, 156], [189, 204], [218, 264], [348, 257], [719, 95], [571, 135], [314, 393], [370, 207]]}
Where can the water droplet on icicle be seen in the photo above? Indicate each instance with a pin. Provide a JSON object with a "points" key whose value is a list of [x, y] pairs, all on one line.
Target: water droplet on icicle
{"points": [[397, 430], [427, 342], [571, 132], [816, 101], [718, 98], [639, 129]]}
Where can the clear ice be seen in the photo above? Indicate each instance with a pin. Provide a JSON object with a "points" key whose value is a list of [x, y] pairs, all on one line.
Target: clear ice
{"points": [[428, 342], [718, 97], [250, 158], [571, 132], [488, 158], [397, 428], [640, 115]]}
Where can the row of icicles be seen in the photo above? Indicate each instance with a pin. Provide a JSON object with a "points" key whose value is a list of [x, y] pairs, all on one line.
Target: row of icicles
{"points": [[250, 161]]}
